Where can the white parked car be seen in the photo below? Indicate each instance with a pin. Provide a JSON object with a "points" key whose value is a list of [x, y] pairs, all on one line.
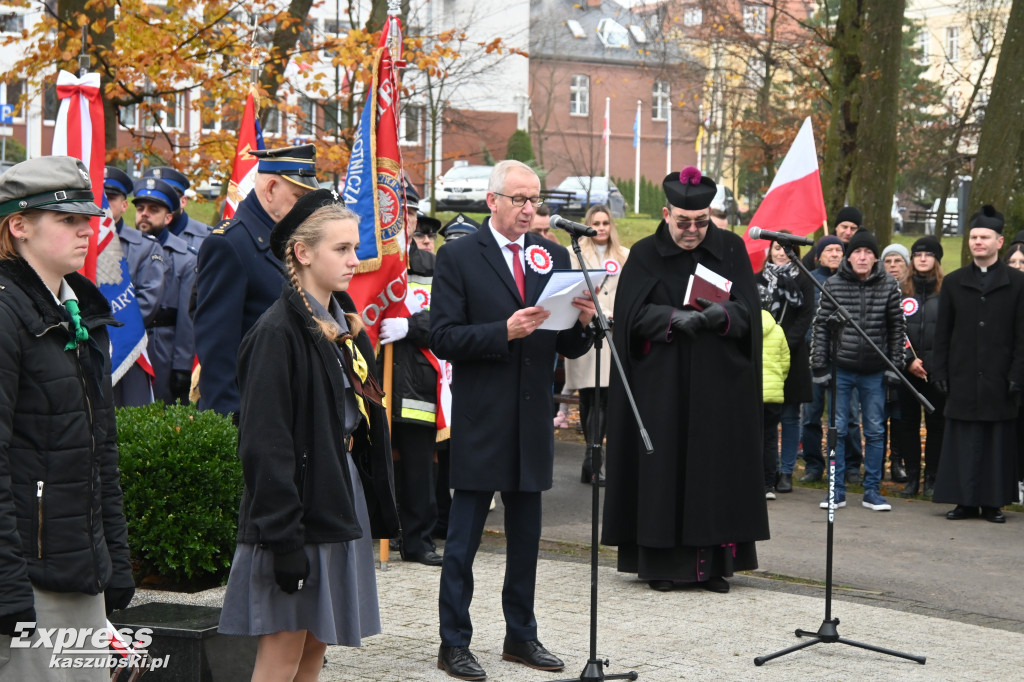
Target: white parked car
{"points": [[951, 223], [463, 188]]}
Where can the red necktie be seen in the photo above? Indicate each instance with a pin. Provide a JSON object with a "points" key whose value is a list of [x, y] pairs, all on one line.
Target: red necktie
{"points": [[517, 270]]}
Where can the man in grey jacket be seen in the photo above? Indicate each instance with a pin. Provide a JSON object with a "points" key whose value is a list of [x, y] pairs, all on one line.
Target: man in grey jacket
{"points": [[872, 298]]}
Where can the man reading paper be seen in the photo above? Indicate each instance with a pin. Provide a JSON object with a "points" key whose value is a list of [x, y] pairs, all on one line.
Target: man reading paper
{"points": [[691, 511], [485, 321]]}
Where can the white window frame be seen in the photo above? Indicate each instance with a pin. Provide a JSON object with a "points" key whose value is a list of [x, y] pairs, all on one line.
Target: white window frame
{"points": [[693, 16], [414, 114], [953, 43], [755, 19], [661, 101], [579, 95], [924, 40]]}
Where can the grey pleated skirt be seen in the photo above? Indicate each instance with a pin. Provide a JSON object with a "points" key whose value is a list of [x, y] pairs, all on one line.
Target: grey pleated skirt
{"points": [[337, 603]]}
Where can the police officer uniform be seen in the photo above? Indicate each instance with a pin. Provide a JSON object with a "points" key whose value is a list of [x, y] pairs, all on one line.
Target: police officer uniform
{"points": [[185, 226], [171, 337], [148, 271], [239, 278], [459, 226]]}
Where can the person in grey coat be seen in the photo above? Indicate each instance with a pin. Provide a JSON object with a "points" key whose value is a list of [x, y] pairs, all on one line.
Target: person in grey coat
{"points": [[172, 341]]}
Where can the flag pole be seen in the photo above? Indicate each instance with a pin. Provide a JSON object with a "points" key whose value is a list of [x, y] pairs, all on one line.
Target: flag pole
{"points": [[636, 143], [668, 142], [607, 135]]}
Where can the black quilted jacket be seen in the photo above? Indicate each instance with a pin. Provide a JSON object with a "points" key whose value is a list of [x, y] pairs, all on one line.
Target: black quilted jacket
{"points": [[62, 527], [874, 303]]}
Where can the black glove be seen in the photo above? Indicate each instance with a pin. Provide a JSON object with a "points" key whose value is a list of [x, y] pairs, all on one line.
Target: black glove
{"points": [[892, 379], [688, 322], [1015, 390], [290, 568], [10, 622], [716, 316], [117, 598], [942, 386], [180, 384], [822, 376]]}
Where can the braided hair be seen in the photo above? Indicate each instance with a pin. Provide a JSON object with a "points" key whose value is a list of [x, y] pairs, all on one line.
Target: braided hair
{"points": [[311, 232]]}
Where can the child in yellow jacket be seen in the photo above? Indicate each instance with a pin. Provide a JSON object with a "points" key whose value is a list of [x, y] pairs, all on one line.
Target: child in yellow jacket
{"points": [[775, 368]]}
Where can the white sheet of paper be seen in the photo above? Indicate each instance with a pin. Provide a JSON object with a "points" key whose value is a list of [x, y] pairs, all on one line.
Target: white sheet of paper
{"points": [[557, 296]]}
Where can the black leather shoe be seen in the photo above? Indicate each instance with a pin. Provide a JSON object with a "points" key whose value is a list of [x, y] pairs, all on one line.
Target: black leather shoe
{"points": [[531, 654], [811, 477], [961, 512], [661, 585], [911, 488], [585, 477], [993, 514], [785, 484], [460, 663], [716, 584], [428, 559], [897, 472], [853, 477]]}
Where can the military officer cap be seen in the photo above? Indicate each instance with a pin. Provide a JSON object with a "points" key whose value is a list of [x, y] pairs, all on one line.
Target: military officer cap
{"points": [[302, 209], [425, 223], [174, 178], [689, 190], [297, 164], [116, 181], [159, 191], [459, 226], [52, 183], [988, 217]]}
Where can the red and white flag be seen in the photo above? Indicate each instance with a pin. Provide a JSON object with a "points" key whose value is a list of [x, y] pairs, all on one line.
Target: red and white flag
{"points": [[794, 203], [243, 171], [79, 133], [416, 300]]}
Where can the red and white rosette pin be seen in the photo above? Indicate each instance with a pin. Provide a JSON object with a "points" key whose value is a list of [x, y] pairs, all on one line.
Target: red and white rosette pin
{"points": [[909, 306], [612, 267], [539, 259]]}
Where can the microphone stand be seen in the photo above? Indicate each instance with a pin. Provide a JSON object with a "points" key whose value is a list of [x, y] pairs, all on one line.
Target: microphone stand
{"points": [[594, 670], [828, 632]]}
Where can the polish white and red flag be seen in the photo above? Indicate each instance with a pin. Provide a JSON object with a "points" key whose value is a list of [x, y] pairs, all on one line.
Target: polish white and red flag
{"points": [[243, 170], [794, 202], [79, 132]]}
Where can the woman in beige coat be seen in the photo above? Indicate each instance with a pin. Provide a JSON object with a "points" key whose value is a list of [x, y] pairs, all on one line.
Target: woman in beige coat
{"points": [[601, 252]]}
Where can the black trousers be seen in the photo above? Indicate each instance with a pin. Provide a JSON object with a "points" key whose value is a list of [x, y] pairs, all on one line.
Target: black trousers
{"points": [[907, 429], [414, 484], [522, 533]]}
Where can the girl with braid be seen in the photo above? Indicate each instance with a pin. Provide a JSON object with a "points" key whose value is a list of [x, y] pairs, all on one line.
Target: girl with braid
{"points": [[316, 457]]}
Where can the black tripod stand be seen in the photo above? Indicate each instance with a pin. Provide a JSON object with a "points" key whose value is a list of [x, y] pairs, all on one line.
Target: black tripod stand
{"points": [[594, 670], [828, 631]]}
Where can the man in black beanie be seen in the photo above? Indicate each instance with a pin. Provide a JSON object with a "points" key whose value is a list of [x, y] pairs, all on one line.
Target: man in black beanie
{"points": [[872, 297], [979, 364]]}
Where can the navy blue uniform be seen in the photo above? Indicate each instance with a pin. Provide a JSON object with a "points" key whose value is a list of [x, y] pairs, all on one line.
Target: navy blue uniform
{"points": [[238, 279], [148, 269], [171, 337]]}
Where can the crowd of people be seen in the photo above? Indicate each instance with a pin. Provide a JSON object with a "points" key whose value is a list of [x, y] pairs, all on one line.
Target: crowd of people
{"points": [[261, 300]]}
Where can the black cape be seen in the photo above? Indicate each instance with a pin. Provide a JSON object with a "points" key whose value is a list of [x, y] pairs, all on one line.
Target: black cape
{"points": [[700, 401]]}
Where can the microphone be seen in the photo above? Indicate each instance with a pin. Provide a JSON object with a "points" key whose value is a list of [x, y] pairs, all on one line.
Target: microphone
{"points": [[758, 233], [575, 229]]}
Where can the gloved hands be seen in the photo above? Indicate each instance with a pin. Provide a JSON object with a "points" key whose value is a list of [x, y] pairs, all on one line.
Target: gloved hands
{"points": [[942, 386], [890, 383], [891, 378], [393, 329], [688, 322], [180, 384], [822, 376], [117, 598], [290, 568], [716, 316], [9, 623]]}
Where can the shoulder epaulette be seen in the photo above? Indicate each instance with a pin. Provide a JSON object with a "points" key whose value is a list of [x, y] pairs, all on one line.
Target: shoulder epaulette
{"points": [[224, 225]]}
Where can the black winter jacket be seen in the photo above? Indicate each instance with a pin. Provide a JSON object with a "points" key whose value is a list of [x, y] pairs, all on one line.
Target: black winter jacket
{"points": [[62, 525], [874, 303], [291, 436], [414, 391], [921, 324]]}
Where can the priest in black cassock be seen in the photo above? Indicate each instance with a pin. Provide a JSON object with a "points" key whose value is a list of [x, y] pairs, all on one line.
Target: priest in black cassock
{"points": [[691, 511]]}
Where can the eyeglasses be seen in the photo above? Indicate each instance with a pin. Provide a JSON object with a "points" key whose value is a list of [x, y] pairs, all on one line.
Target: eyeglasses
{"points": [[699, 223], [423, 235], [519, 200]]}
